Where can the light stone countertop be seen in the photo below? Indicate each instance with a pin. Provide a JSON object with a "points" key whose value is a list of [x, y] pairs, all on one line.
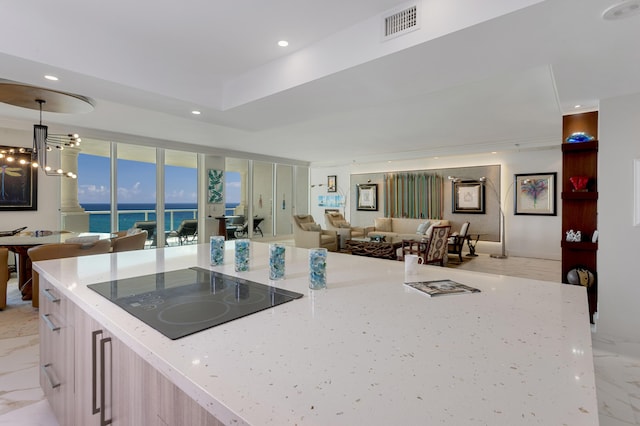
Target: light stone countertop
{"points": [[368, 350]]}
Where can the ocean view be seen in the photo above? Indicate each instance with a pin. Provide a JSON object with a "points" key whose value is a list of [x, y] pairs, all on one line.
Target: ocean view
{"points": [[130, 213]]}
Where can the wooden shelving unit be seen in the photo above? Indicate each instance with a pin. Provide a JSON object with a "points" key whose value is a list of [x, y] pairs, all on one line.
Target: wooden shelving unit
{"points": [[580, 209]]}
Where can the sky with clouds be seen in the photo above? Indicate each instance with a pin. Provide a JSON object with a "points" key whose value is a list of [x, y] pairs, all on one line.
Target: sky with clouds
{"points": [[137, 182]]}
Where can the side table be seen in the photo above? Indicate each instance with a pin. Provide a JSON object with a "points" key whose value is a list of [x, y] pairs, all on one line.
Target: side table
{"points": [[471, 243], [418, 247]]}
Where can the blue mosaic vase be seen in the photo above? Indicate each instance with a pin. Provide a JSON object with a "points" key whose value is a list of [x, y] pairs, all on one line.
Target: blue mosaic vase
{"points": [[216, 244], [578, 137], [276, 261], [318, 268], [242, 255]]}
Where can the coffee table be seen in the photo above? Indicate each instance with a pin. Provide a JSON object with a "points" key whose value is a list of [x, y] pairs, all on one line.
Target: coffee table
{"points": [[366, 247]]}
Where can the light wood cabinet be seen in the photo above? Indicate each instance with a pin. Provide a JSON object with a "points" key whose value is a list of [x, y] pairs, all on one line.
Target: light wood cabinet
{"points": [[57, 356], [92, 378]]}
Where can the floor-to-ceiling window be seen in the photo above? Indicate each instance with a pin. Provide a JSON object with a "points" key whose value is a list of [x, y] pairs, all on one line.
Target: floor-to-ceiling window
{"points": [[180, 189], [136, 185], [94, 190]]}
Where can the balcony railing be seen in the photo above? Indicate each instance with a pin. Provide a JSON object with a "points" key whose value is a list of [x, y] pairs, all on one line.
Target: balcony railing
{"points": [[100, 220]]}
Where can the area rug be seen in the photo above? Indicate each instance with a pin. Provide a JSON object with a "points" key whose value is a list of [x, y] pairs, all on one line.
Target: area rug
{"points": [[19, 318]]}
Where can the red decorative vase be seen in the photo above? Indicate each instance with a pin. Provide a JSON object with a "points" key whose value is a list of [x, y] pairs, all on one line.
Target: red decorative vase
{"points": [[579, 183]]}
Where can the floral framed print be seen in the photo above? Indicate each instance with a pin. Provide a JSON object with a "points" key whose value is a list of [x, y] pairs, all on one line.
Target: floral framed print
{"points": [[535, 194], [468, 197], [215, 192], [367, 196]]}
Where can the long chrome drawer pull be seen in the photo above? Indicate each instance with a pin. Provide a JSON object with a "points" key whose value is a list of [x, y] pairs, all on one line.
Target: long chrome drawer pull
{"points": [[51, 296], [50, 324], [103, 388], [54, 383], [94, 371]]}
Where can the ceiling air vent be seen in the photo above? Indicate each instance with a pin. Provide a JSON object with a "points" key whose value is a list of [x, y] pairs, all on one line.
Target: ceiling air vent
{"points": [[401, 22]]}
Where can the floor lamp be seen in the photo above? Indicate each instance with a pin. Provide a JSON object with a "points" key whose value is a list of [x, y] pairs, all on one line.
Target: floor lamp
{"points": [[503, 236]]}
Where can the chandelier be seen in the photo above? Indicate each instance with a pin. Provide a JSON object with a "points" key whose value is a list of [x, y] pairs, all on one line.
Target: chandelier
{"points": [[43, 143]]}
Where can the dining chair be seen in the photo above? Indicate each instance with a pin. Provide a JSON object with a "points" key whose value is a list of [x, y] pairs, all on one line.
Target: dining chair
{"points": [[129, 241], [61, 251]]}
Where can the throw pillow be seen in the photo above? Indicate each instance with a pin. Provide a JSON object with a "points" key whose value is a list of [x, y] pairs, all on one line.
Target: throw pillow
{"points": [[382, 224], [422, 228], [311, 227], [429, 231]]}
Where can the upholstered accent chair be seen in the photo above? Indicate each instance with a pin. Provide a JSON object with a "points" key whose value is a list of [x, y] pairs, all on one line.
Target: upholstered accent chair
{"points": [[308, 234], [437, 245], [457, 240], [127, 241], [61, 251], [335, 221], [4, 276]]}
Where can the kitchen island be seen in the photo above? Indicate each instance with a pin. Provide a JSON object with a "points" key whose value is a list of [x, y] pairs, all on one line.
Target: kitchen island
{"points": [[367, 350]]}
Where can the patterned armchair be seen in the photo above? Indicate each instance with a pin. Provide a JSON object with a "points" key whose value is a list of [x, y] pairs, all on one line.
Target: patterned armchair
{"points": [[457, 239], [437, 245]]}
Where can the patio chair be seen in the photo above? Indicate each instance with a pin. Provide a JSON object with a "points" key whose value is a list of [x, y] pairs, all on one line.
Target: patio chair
{"points": [[150, 227], [187, 231]]}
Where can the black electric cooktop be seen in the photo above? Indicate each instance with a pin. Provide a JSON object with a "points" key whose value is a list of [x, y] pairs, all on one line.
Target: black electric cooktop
{"points": [[183, 302]]}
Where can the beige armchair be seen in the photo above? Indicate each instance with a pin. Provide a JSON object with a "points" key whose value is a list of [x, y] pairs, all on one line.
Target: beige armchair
{"points": [[308, 234], [336, 222]]}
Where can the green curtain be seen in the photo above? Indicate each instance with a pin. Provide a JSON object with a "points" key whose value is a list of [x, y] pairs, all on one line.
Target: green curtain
{"points": [[413, 195]]}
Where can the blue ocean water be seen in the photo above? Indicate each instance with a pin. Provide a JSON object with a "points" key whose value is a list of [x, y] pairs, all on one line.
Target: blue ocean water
{"points": [[130, 213]]}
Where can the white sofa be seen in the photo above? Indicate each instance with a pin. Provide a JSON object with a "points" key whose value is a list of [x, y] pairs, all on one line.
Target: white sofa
{"points": [[397, 229]]}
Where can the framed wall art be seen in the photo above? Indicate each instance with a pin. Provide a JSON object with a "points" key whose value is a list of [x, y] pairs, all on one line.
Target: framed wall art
{"points": [[535, 194], [215, 187], [19, 181], [468, 197], [332, 183], [367, 194]]}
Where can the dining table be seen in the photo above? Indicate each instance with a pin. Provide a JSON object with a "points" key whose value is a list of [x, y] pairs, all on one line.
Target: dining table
{"points": [[22, 242]]}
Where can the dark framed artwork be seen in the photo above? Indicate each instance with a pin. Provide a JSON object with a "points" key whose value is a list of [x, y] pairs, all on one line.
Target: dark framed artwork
{"points": [[332, 183], [19, 181], [535, 194], [468, 197], [367, 194]]}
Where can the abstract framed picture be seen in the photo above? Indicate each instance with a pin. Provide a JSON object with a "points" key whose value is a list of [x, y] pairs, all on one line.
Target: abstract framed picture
{"points": [[468, 197], [367, 194], [535, 194], [215, 188], [332, 183], [19, 181]]}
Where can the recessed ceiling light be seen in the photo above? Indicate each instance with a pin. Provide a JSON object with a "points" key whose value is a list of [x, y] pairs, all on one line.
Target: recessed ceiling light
{"points": [[577, 106], [196, 112], [494, 152], [621, 10], [51, 77], [283, 43]]}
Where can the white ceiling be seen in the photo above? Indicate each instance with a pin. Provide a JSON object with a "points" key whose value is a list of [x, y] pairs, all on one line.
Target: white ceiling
{"points": [[475, 77]]}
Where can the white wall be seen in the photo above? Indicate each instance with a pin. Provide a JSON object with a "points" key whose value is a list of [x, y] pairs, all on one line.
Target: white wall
{"points": [[618, 322], [527, 236], [47, 217]]}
